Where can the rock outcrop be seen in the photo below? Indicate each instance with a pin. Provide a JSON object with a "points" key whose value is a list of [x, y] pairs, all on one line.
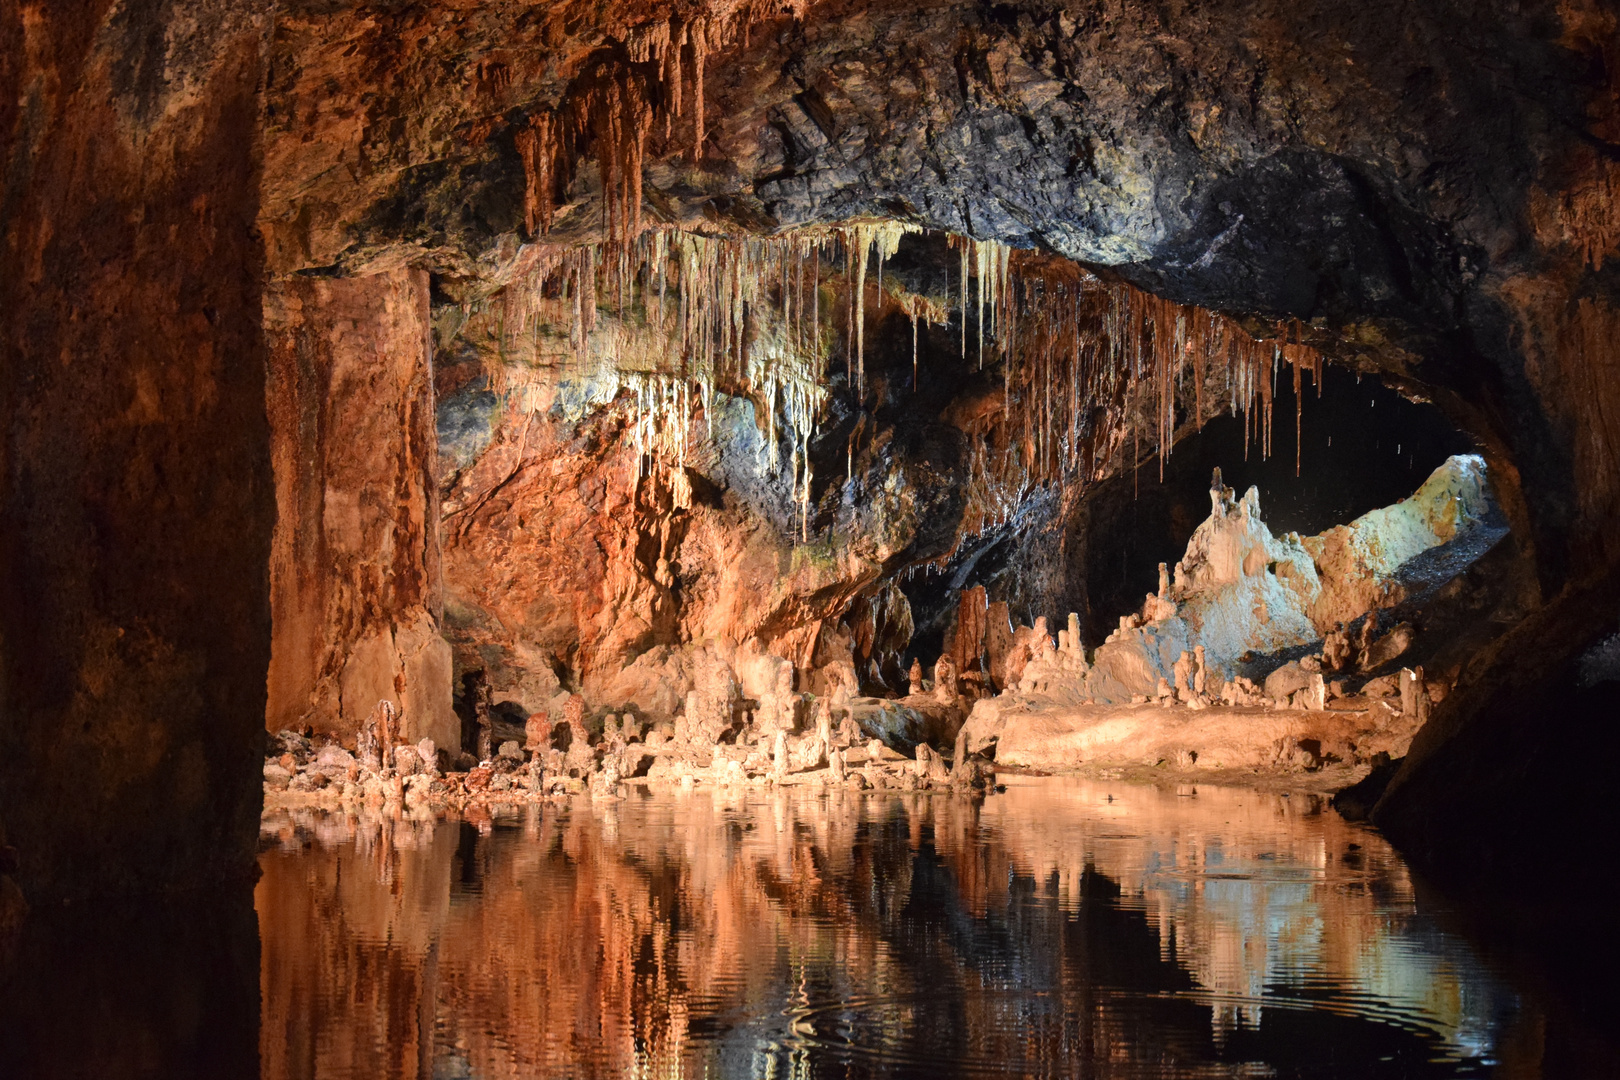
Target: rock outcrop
{"points": [[355, 560], [1241, 593]]}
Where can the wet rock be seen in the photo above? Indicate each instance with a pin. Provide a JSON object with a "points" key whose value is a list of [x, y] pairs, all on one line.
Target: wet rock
{"points": [[929, 767], [1356, 802], [970, 775]]}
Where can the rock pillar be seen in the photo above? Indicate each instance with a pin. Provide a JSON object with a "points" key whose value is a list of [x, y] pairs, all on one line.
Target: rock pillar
{"points": [[135, 497], [355, 574]]}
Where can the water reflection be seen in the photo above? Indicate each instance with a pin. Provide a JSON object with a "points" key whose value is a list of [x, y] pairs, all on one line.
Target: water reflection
{"points": [[1065, 927]]}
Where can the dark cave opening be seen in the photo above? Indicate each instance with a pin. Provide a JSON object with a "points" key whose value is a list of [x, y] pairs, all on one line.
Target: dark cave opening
{"points": [[1363, 446]]}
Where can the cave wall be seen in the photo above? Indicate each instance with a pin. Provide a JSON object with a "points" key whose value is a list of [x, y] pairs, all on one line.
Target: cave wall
{"points": [[566, 567], [355, 569], [135, 490]]}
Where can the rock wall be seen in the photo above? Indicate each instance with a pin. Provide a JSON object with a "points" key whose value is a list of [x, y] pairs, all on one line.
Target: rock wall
{"points": [[355, 574], [135, 488]]}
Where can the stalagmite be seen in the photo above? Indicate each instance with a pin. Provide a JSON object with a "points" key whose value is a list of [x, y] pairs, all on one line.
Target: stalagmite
{"points": [[945, 680]]}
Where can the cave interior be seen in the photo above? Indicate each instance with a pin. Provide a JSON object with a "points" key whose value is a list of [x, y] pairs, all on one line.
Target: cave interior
{"points": [[529, 368]]}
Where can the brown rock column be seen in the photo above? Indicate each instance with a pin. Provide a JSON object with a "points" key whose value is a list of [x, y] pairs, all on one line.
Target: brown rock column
{"points": [[972, 619], [135, 498], [354, 569]]}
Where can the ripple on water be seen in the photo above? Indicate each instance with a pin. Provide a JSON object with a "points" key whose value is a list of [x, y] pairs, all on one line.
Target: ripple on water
{"points": [[1066, 927]]}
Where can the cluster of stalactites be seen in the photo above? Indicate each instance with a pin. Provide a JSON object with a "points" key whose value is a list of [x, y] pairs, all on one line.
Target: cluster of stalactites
{"points": [[617, 103], [669, 316], [1092, 367], [989, 264], [861, 239]]}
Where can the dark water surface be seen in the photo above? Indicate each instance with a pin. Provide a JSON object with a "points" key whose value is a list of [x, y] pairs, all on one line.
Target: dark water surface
{"points": [[1063, 928]]}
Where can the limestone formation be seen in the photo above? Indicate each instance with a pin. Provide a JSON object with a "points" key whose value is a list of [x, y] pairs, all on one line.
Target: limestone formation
{"points": [[915, 677], [1336, 650], [1385, 648], [712, 704], [1414, 696], [481, 711], [1183, 670], [779, 707], [945, 691], [779, 757], [537, 732]]}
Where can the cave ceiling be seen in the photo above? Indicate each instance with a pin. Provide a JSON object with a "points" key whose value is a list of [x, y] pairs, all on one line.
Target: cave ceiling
{"points": [[1408, 182]]}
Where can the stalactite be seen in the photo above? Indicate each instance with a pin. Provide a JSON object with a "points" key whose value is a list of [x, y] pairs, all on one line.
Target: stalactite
{"points": [[1092, 368], [612, 107], [860, 239], [536, 144], [1067, 416]]}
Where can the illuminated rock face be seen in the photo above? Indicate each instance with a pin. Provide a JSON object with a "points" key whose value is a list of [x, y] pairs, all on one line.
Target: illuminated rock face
{"points": [[1241, 592], [354, 568]]}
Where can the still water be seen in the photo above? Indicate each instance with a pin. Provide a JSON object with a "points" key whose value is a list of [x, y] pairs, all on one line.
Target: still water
{"points": [[1063, 928]]}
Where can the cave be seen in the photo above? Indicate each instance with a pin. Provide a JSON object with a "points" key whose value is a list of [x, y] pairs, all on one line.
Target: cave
{"points": [[717, 537]]}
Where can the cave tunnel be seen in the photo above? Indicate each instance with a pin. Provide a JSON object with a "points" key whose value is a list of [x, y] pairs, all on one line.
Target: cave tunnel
{"points": [[805, 464]]}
